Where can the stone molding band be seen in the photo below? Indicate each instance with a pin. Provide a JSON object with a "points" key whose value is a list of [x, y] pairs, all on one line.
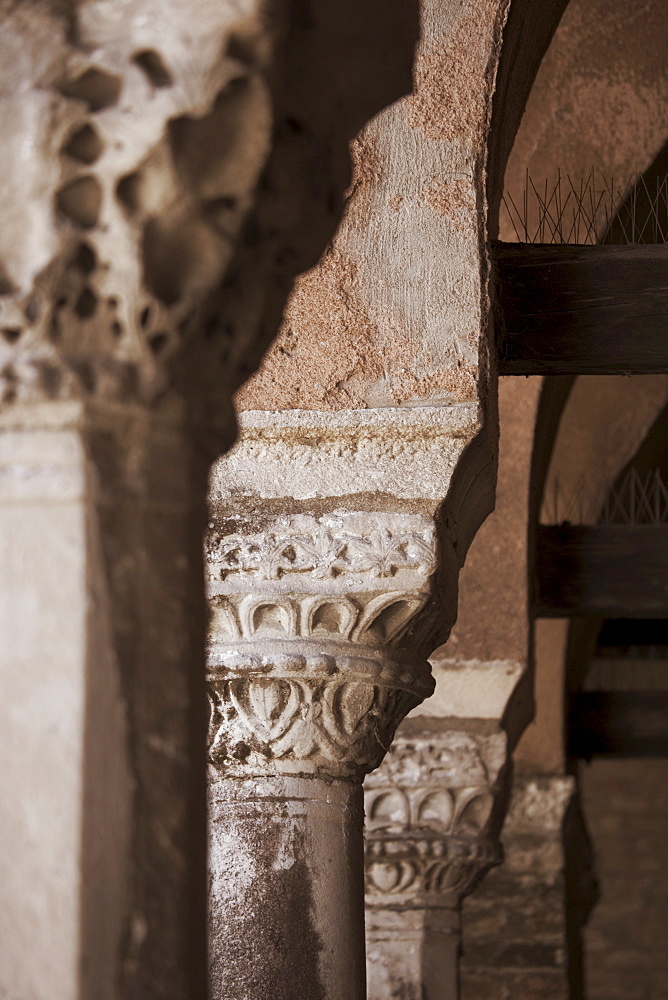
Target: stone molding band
{"points": [[420, 871]]}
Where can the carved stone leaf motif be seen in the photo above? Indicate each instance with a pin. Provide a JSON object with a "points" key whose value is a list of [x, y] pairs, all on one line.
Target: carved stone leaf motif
{"points": [[312, 679], [268, 707], [383, 553], [344, 710], [392, 877], [320, 553], [441, 868], [344, 727], [430, 805]]}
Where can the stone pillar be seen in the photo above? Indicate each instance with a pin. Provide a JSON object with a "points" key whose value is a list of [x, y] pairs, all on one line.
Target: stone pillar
{"points": [[102, 811], [483, 693], [430, 836], [338, 523]]}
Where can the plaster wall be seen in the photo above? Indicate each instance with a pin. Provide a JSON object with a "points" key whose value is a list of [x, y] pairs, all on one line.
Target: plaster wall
{"points": [[492, 620], [488, 651], [541, 748], [604, 422], [600, 98], [371, 325]]}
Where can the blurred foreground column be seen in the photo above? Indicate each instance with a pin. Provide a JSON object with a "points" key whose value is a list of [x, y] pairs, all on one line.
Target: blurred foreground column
{"points": [[163, 184], [102, 813]]}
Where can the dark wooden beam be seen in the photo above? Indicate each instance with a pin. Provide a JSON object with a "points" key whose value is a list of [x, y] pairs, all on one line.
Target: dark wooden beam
{"points": [[619, 723], [611, 571], [581, 310]]}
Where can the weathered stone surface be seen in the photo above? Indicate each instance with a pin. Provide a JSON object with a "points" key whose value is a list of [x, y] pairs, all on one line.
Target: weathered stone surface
{"points": [[412, 954], [318, 643], [286, 881], [491, 985], [372, 325], [431, 816], [331, 578], [169, 168], [315, 653], [515, 928]]}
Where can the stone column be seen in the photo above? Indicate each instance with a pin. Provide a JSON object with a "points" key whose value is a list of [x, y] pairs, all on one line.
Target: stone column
{"points": [[317, 652], [483, 689], [431, 813], [367, 439], [325, 603]]}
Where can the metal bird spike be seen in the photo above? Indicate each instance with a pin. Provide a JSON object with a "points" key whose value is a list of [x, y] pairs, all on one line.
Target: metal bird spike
{"points": [[587, 211]]}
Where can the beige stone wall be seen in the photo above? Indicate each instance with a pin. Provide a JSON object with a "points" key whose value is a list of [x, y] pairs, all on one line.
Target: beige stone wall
{"points": [[488, 654], [541, 749], [493, 622]]}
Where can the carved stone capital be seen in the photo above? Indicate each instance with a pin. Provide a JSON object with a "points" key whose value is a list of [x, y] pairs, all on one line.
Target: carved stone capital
{"points": [[318, 641], [430, 808]]}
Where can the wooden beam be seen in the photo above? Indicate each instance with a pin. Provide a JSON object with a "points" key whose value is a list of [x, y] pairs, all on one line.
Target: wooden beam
{"points": [[619, 723], [581, 310], [611, 571]]}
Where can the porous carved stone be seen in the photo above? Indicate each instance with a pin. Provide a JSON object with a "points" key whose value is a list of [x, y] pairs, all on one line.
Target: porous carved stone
{"points": [[315, 652], [169, 168], [430, 810]]}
